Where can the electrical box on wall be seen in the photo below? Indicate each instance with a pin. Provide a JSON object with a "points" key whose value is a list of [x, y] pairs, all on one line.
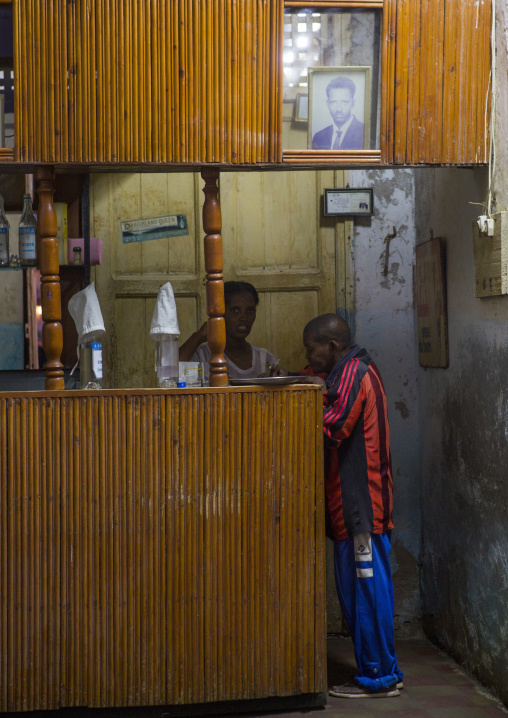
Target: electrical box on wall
{"points": [[491, 257]]}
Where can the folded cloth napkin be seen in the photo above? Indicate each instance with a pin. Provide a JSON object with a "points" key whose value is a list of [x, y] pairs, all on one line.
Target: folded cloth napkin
{"points": [[85, 309], [164, 320]]}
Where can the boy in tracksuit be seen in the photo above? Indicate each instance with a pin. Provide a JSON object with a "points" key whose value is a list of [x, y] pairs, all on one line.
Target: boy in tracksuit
{"points": [[359, 501]]}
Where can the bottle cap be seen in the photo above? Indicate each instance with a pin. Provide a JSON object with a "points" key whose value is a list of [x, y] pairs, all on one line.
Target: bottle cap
{"points": [[181, 384]]}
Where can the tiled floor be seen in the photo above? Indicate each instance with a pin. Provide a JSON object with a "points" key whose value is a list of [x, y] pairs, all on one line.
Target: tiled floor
{"points": [[434, 687]]}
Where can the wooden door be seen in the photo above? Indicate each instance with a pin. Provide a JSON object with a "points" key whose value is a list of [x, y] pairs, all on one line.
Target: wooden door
{"points": [[274, 236], [129, 278]]}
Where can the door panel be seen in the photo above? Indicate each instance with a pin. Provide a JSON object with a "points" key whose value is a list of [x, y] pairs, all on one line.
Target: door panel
{"points": [[275, 237], [129, 278], [280, 318]]}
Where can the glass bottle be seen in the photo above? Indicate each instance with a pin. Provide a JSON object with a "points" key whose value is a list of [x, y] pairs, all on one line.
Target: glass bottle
{"points": [[4, 235], [28, 235]]}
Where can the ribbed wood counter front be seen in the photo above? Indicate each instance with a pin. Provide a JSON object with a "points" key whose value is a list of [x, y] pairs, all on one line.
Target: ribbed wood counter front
{"points": [[161, 547]]}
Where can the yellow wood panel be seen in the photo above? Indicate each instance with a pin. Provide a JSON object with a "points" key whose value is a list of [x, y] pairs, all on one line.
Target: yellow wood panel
{"points": [[134, 350], [270, 220], [161, 549], [280, 321], [131, 274], [276, 238]]}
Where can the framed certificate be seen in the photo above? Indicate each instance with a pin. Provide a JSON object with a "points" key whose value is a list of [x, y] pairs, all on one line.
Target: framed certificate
{"points": [[348, 202]]}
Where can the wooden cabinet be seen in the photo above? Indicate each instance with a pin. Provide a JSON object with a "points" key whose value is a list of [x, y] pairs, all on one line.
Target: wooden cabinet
{"points": [[150, 84], [168, 550]]}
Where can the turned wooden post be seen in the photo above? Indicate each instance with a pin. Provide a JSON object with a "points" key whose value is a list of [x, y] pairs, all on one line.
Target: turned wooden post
{"points": [[212, 225], [52, 336]]}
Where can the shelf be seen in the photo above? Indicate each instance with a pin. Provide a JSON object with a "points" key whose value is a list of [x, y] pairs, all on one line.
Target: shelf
{"points": [[62, 266]]}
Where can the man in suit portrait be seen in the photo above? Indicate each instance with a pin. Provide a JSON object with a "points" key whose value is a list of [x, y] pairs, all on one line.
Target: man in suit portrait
{"points": [[346, 132]]}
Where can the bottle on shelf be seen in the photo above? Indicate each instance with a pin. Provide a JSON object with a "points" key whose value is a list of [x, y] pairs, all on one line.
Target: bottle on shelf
{"points": [[4, 235], [28, 235]]}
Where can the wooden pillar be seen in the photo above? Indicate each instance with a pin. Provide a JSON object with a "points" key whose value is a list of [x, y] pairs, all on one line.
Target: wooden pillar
{"points": [[212, 225], [52, 336]]}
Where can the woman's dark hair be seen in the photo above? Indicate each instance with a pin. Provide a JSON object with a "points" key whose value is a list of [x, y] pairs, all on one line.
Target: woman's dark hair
{"points": [[238, 288]]}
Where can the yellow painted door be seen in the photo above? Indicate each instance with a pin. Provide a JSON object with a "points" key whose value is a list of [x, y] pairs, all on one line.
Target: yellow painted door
{"points": [[274, 235], [129, 278]]}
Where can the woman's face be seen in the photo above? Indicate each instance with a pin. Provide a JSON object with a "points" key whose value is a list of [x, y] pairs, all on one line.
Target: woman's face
{"points": [[240, 315]]}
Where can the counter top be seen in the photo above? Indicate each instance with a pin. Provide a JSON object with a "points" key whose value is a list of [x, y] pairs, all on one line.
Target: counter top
{"points": [[89, 393]]}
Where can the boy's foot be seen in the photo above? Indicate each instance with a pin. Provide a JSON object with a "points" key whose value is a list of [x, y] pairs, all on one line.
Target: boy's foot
{"points": [[352, 690], [399, 684]]}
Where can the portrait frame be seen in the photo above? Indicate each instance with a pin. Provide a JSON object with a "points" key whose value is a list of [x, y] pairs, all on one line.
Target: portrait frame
{"points": [[320, 118], [348, 202]]}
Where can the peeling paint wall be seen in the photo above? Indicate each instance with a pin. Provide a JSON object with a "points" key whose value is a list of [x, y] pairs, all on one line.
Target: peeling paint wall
{"points": [[464, 446], [385, 326]]}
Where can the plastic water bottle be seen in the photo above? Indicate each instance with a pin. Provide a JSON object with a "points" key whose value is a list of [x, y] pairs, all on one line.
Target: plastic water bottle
{"points": [[28, 235], [4, 235], [90, 364], [166, 361]]}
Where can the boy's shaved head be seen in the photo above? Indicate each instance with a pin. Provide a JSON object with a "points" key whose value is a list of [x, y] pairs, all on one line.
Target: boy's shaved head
{"points": [[328, 327]]}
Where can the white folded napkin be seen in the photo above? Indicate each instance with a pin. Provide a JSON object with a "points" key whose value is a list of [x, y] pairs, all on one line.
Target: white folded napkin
{"points": [[164, 320], [85, 309]]}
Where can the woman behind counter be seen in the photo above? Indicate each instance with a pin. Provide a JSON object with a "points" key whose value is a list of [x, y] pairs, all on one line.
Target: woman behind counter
{"points": [[244, 360]]}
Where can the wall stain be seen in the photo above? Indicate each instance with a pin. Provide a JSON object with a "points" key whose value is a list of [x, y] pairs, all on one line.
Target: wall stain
{"points": [[401, 406]]}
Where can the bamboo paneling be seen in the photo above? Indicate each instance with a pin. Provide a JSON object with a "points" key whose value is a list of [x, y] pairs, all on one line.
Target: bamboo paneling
{"points": [[178, 81], [435, 104], [161, 549]]}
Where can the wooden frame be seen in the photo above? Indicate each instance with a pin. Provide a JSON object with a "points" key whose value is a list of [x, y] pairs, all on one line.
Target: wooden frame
{"points": [[359, 157]]}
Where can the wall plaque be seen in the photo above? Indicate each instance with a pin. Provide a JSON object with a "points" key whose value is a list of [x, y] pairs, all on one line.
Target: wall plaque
{"points": [[431, 304]]}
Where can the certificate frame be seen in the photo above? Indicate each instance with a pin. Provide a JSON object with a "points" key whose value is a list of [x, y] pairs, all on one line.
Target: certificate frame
{"points": [[348, 202]]}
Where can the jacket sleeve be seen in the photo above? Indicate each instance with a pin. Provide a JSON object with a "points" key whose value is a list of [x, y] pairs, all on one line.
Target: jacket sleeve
{"points": [[340, 417]]}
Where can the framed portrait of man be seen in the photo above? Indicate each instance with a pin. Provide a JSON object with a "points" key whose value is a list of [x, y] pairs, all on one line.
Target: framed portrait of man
{"points": [[339, 108]]}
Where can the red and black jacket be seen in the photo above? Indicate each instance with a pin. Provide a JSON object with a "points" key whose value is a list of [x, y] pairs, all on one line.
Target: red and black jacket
{"points": [[357, 448]]}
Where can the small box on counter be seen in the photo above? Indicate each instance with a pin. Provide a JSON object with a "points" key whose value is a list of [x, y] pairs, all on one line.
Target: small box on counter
{"points": [[95, 250], [191, 372]]}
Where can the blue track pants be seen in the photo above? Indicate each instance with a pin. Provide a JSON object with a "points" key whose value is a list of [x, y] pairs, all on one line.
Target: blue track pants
{"points": [[364, 586]]}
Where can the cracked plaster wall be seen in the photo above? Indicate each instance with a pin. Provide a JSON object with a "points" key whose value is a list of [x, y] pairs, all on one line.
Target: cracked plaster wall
{"points": [[385, 326], [464, 446]]}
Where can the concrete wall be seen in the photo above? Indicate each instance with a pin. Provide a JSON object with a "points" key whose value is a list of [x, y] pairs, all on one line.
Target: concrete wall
{"points": [[385, 326], [464, 447], [449, 427]]}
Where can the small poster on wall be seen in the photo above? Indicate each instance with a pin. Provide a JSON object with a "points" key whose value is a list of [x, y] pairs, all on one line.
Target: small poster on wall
{"points": [[431, 304], [141, 230]]}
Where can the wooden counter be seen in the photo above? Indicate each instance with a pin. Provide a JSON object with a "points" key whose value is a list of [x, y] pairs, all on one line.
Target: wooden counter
{"points": [[161, 547]]}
